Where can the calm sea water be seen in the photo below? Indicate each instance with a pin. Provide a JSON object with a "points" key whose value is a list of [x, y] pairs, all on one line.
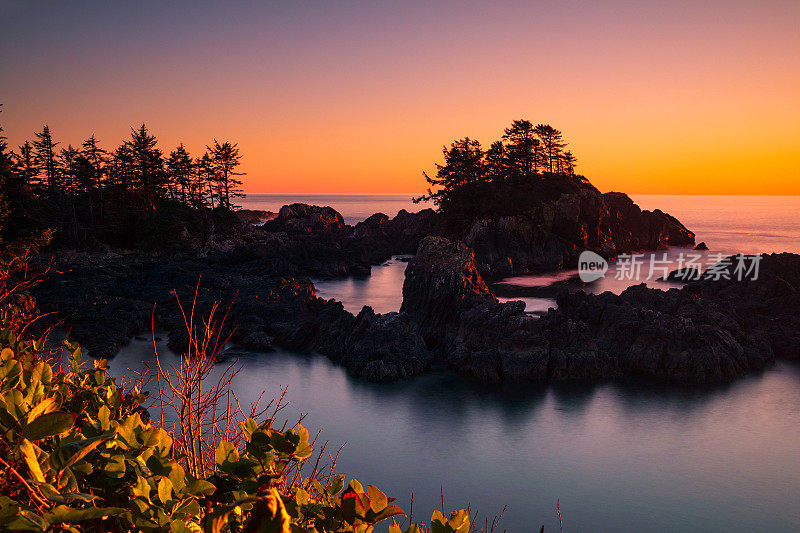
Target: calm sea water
{"points": [[618, 457], [353, 207]]}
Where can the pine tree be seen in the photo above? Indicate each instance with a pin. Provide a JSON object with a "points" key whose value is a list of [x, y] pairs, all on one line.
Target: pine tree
{"points": [[552, 145], [226, 158], [26, 168], [44, 149], [180, 168], [206, 179], [522, 149], [149, 177], [495, 161], [96, 156], [567, 163], [68, 162]]}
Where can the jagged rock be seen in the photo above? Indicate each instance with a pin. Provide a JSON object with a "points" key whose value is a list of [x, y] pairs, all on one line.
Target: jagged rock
{"points": [[552, 234], [441, 281], [701, 246], [258, 341], [707, 331], [306, 218], [735, 327]]}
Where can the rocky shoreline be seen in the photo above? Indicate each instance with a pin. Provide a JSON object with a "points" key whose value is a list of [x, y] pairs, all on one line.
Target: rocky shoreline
{"points": [[703, 333]]}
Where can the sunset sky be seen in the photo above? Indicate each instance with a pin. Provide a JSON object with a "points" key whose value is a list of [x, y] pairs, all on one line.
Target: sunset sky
{"points": [[673, 97]]}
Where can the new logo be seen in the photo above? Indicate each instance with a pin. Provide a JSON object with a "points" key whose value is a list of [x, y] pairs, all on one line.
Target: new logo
{"points": [[591, 266]]}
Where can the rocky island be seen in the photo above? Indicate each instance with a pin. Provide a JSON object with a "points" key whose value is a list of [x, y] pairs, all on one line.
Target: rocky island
{"points": [[705, 332]]}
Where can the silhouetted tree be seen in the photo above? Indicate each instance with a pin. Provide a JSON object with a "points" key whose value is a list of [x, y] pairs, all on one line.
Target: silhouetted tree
{"points": [[552, 143], [180, 167], [459, 180], [225, 158], [496, 161], [25, 167], [206, 179], [523, 149], [120, 169], [148, 167], [567, 163], [96, 157], [67, 160], [463, 163], [6, 159], [472, 183], [44, 149]]}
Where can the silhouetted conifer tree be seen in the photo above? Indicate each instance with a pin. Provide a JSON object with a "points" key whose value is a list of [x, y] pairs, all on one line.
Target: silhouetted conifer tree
{"points": [[44, 149], [148, 167], [225, 158], [552, 143], [25, 167], [180, 167], [523, 149]]}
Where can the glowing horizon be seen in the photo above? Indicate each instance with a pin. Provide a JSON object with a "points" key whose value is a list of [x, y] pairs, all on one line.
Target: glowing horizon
{"points": [[357, 98]]}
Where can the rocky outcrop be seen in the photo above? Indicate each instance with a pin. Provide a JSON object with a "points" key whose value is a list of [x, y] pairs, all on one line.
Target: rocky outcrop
{"points": [[441, 282], [707, 332], [711, 330], [552, 234], [305, 218]]}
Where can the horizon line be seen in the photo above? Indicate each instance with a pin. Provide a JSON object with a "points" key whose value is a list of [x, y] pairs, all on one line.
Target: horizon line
{"points": [[416, 194]]}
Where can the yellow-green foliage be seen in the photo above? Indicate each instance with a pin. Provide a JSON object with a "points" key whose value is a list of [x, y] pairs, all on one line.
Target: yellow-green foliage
{"points": [[77, 456]]}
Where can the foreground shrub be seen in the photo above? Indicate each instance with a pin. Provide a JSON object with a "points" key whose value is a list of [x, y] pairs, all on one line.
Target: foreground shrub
{"points": [[79, 455]]}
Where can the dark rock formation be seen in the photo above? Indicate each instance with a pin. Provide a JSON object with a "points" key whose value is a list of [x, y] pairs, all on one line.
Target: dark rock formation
{"points": [[711, 330], [441, 282], [674, 335], [701, 246], [552, 234], [305, 218]]}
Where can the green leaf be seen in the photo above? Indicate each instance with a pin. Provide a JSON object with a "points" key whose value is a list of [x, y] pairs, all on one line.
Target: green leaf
{"points": [[27, 521], [200, 486], [377, 499], [45, 406], [42, 372], [49, 425], [104, 417], [80, 449], [115, 467], [29, 454], [303, 451], [336, 485], [141, 489], [165, 490], [302, 497], [388, 512], [226, 455], [187, 506]]}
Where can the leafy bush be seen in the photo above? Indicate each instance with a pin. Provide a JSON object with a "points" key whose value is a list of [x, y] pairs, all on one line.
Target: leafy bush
{"points": [[79, 455]]}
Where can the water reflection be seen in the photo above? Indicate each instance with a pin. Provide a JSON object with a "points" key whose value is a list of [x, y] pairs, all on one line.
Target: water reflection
{"points": [[620, 456], [383, 289]]}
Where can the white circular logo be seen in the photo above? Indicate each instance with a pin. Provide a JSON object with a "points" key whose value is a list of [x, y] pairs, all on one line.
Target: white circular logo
{"points": [[591, 266]]}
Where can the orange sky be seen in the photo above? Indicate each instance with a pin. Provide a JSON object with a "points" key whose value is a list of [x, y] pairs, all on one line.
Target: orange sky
{"points": [[700, 97]]}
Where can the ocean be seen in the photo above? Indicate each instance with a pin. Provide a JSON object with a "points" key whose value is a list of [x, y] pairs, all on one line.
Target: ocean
{"points": [[617, 456]]}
